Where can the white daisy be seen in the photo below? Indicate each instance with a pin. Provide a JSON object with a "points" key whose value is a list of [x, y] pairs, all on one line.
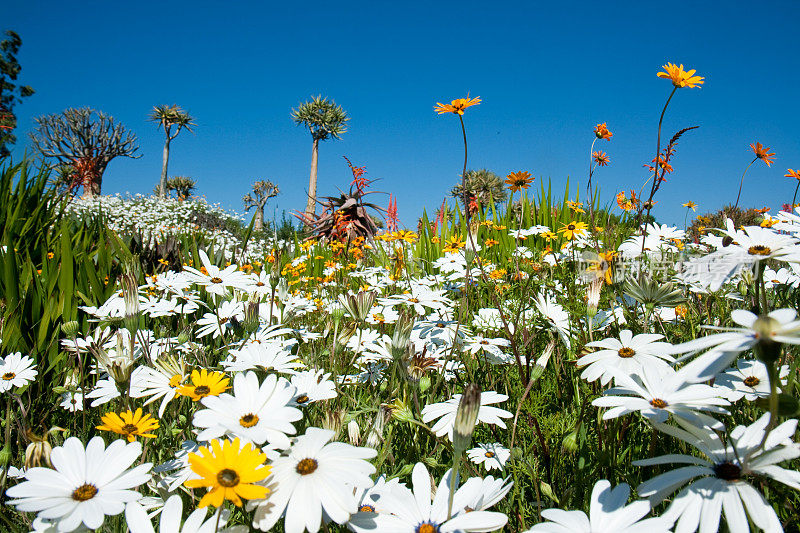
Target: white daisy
{"points": [[627, 354], [749, 379], [257, 413], [215, 280], [84, 485], [404, 511], [446, 413], [272, 356], [314, 476], [727, 345], [313, 386], [607, 514], [658, 392], [721, 481], [171, 515], [492, 456], [17, 370]]}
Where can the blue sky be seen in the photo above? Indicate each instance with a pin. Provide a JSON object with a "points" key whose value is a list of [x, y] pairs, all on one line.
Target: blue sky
{"points": [[546, 72]]}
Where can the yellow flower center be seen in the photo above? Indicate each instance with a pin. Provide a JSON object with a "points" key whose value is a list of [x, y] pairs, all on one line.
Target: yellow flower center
{"points": [[413, 300], [84, 492], [571, 227], [129, 429], [8, 376], [626, 352], [260, 284], [366, 509], [302, 399], [759, 249], [202, 390], [249, 420], [216, 280], [489, 454], [306, 466], [751, 381], [658, 403], [228, 478], [427, 528]]}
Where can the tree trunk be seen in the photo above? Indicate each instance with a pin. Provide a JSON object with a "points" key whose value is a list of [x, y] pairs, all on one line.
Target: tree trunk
{"points": [[259, 223], [92, 189], [311, 206], [162, 186]]}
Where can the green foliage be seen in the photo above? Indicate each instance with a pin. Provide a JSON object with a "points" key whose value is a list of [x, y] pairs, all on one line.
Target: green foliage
{"points": [[11, 94], [323, 118], [486, 186]]}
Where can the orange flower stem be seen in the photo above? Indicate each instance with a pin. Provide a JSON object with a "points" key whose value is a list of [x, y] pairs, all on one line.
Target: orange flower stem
{"points": [[742, 182]]}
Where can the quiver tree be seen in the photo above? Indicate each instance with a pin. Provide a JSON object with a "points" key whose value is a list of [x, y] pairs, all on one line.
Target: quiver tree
{"points": [[324, 120], [86, 141], [262, 191], [172, 119]]}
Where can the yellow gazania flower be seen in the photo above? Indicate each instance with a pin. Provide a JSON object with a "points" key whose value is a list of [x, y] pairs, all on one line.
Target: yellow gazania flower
{"points": [[129, 424], [453, 244], [548, 235], [690, 205], [229, 471], [456, 106], [576, 206], [769, 222], [406, 236], [518, 180], [573, 229], [680, 77], [490, 242], [204, 383]]}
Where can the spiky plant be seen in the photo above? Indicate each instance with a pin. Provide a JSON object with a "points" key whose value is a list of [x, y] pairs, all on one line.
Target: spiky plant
{"points": [[172, 119], [324, 119], [343, 217], [183, 186], [483, 185]]}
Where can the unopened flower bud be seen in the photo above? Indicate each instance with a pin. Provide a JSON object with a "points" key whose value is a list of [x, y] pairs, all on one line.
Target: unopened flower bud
{"points": [[70, 329], [353, 432], [570, 442], [400, 411], [466, 417], [767, 349]]}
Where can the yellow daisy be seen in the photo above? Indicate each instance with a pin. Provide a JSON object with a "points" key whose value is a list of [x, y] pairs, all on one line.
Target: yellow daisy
{"points": [[130, 424], [204, 383], [573, 229], [229, 471]]}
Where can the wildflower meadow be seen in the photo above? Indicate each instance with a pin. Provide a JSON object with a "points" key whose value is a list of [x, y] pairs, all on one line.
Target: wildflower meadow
{"points": [[531, 356]]}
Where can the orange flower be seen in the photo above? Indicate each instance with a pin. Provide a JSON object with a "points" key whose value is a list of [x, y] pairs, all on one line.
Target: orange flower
{"points": [[680, 77], [519, 180], [790, 174], [763, 153], [601, 158], [457, 106], [602, 132]]}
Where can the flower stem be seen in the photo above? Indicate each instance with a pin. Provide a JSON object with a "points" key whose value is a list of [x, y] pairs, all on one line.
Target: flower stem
{"points": [[794, 198], [453, 477], [742, 183]]}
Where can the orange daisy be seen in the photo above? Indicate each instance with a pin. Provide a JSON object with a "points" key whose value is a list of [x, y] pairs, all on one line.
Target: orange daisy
{"points": [[763, 153], [456, 106], [601, 158], [679, 77], [602, 132], [792, 174], [519, 180]]}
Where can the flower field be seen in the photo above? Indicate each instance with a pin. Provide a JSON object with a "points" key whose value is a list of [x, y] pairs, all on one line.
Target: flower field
{"points": [[539, 365]]}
